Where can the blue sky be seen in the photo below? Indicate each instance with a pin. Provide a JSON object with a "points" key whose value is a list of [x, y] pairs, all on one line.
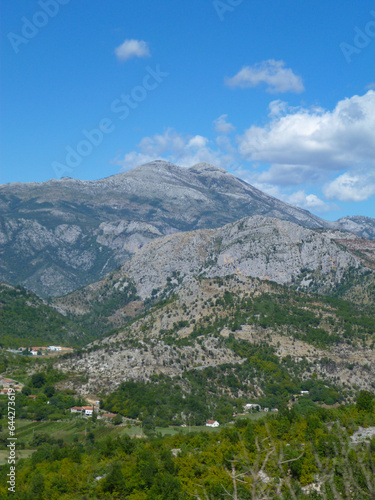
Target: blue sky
{"points": [[282, 94]]}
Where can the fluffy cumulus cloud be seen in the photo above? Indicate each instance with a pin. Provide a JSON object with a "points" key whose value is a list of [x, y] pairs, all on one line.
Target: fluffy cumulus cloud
{"points": [[312, 145], [351, 186], [132, 48], [308, 201], [273, 74], [299, 198], [183, 150], [277, 108], [306, 157], [222, 126]]}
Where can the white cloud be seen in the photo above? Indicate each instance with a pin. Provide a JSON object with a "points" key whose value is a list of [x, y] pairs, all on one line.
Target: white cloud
{"points": [[298, 198], [316, 142], [277, 108], [307, 201], [197, 142], [291, 175], [222, 126], [299, 154], [183, 150], [272, 73], [351, 187], [132, 48]]}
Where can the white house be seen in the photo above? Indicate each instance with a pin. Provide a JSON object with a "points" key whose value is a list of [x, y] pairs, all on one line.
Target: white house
{"points": [[76, 409], [88, 410], [54, 348], [212, 423], [304, 392], [251, 406]]}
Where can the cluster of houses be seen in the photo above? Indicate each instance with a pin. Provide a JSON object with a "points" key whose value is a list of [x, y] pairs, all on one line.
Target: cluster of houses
{"points": [[34, 351], [8, 383], [255, 407], [88, 411], [83, 410], [247, 408]]}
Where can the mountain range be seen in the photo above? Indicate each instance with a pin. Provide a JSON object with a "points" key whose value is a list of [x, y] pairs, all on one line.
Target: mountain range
{"points": [[190, 275], [60, 235]]}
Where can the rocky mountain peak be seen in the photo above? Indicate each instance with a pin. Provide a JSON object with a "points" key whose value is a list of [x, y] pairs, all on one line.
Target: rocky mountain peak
{"points": [[206, 168], [62, 234]]}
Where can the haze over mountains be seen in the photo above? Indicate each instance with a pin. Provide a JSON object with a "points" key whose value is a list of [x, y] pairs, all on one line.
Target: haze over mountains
{"points": [[62, 234]]}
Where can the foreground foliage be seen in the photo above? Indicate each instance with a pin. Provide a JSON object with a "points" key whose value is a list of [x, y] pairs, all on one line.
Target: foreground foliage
{"points": [[289, 455]]}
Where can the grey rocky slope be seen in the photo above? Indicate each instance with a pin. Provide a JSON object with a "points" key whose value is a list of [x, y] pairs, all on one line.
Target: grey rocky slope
{"points": [[258, 247], [362, 226], [189, 332], [59, 235]]}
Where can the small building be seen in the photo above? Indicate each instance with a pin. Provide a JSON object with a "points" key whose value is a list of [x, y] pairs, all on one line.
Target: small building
{"points": [[251, 406], [34, 353], [212, 423], [54, 348], [33, 396], [88, 410], [304, 392], [76, 409], [266, 409], [274, 410], [7, 382]]}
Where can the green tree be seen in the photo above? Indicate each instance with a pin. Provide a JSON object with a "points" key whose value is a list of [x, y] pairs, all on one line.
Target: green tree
{"points": [[49, 391], [38, 380], [26, 390], [365, 400], [117, 420], [166, 487], [114, 481]]}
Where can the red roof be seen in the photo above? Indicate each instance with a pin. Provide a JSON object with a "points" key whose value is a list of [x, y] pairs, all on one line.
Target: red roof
{"points": [[211, 421]]}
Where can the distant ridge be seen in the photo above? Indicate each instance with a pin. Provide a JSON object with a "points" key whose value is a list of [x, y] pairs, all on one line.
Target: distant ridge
{"points": [[62, 234]]}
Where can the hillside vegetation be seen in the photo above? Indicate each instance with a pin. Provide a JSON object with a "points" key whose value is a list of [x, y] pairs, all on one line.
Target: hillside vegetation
{"points": [[28, 321]]}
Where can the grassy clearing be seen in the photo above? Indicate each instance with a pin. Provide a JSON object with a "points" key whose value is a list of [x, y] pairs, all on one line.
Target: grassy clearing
{"points": [[79, 429], [4, 455], [65, 429]]}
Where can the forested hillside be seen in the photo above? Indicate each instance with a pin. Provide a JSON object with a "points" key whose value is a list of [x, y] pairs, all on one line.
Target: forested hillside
{"points": [[28, 321]]}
